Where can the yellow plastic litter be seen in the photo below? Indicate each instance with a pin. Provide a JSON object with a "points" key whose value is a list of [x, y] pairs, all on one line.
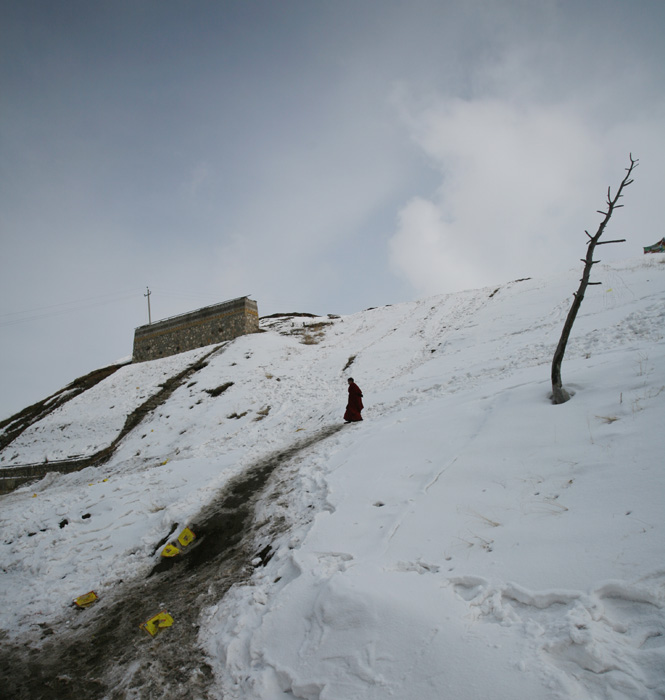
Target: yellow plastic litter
{"points": [[156, 623], [170, 551], [186, 536], [83, 601], [161, 464]]}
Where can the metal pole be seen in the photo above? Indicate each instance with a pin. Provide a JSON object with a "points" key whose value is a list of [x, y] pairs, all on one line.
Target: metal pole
{"points": [[149, 316]]}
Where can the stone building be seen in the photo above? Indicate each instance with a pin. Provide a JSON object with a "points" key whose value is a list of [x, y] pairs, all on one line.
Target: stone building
{"points": [[206, 326]]}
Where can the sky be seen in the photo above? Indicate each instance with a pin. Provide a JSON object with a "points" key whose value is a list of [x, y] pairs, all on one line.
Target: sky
{"points": [[323, 157]]}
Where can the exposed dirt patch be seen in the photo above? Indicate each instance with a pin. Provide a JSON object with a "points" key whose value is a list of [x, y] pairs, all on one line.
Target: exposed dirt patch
{"points": [[102, 653], [294, 314], [219, 389]]}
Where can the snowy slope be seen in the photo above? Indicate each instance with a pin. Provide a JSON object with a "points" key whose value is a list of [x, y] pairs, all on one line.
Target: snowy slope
{"points": [[467, 540], [90, 421]]}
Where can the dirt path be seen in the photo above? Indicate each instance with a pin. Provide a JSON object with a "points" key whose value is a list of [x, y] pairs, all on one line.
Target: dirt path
{"points": [[104, 654]]}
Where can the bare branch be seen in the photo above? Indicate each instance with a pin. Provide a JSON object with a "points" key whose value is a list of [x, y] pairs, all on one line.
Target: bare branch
{"points": [[559, 394]]}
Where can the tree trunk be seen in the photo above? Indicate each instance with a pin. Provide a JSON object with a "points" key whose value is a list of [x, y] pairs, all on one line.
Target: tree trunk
{"points": [[559, 394]]}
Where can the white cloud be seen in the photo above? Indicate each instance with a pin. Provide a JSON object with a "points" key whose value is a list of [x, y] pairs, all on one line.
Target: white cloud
{"points": [[526, 136], [520, 183], [426, 253]]}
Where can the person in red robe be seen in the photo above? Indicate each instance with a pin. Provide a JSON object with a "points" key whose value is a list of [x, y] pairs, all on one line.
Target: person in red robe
{"points": [[355, 403]]}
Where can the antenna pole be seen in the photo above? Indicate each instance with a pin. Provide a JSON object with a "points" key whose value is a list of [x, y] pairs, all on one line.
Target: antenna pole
{"points": [[148, 296]]}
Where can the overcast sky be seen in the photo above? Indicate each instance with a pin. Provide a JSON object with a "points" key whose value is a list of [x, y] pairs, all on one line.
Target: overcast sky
{"points": [[319, 156]]}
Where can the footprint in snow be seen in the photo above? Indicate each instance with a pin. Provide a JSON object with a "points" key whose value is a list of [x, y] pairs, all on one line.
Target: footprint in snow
{"points": [[609, 642], [419, 566]]}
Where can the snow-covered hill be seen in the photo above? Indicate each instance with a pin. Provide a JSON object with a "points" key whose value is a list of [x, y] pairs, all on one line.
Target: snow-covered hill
{"points": [[468, 540]]}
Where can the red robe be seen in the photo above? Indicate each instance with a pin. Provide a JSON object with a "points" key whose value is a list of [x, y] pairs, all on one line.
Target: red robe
{"points": [[355, 404]]}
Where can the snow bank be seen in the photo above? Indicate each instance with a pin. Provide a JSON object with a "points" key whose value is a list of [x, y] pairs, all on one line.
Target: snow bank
{"points": [[468, 539]]}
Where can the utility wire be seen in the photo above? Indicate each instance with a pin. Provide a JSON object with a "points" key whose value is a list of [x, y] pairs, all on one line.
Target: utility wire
{"points": [[53, 310], [75, 301], [183, 294], [12, 318]]}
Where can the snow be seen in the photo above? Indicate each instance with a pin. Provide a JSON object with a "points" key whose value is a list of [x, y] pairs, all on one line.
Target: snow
{"points": [[468, 540], [91, 420]]}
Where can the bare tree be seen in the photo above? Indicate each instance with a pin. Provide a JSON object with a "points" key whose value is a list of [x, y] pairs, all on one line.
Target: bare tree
{"points": [[559, 394]]}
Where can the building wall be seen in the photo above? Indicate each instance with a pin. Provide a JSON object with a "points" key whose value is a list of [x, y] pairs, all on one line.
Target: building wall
{"points": [[212, 324]]}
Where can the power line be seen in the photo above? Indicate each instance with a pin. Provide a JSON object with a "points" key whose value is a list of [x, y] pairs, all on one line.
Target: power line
{"points": [[75, 301], [11, 318], [184, 294], [53, 310]]}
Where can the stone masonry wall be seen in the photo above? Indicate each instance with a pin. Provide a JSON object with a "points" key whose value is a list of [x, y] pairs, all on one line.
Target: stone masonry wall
{"points": [[212, 324]]}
